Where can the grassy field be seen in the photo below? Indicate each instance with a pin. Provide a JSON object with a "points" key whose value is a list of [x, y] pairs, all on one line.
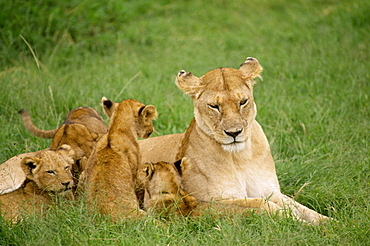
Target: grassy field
{"points": [[313, 103]]}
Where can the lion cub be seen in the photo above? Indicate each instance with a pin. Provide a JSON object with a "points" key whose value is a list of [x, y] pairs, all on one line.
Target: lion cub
{"points": [[81, 130], [164, 194], [163, 190], [47, 173], [110, 176]]}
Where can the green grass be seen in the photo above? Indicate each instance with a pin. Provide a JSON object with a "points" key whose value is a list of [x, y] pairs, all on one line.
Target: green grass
{"points": [[313, 102]]}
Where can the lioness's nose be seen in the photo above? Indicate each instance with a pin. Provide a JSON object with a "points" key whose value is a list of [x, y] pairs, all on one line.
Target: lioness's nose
{"points": [[233, 134]]}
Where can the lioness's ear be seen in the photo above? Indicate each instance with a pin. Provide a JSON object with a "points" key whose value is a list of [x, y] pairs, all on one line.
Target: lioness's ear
{"points": [[149, 112], [29, 165], [251, 68], [182, 165], [189, 83], [108, 106]]}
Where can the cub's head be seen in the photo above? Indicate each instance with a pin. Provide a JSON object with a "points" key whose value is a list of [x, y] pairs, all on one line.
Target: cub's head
{"points": [[163, 190], [143, 115], [51, 169], [223, 101]]}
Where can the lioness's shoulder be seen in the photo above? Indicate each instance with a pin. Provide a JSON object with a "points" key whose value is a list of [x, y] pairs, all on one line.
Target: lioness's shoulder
{"points": [[161, 148]]}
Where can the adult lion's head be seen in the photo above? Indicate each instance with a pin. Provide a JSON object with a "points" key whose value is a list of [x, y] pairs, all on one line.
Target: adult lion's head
{"points": [[223, 100]]}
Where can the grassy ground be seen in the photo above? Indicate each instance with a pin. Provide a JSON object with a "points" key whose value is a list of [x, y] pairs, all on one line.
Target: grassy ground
{"points": [[313, 102]]}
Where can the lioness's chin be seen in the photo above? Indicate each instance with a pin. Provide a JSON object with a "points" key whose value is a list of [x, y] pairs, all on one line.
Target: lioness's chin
{"points": [[233, 147]]}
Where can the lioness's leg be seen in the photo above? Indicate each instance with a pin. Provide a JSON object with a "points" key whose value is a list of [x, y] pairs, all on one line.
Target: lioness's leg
{"points": [[260, 203], [300, 211]]}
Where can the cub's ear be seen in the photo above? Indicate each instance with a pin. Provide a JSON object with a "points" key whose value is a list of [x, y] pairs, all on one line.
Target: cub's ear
{"points": [[147, 169], [148, 112], [68, 153], [189, 83], [182, 165], [108, 106], [29, 165], [251, 68]]}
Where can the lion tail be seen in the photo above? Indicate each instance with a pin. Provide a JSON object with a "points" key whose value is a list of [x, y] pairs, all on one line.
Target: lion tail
{"points": [[33, 129]]}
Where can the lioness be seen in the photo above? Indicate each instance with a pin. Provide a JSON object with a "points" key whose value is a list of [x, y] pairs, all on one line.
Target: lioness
{"points": [[164, 194], [81, 129], [228, 149], [46, 172], [110, 175]]}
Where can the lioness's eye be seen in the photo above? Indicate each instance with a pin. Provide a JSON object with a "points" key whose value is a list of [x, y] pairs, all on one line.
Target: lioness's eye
{"points": [[214, 106], [51, 172], [67, 168], [243, 102]]}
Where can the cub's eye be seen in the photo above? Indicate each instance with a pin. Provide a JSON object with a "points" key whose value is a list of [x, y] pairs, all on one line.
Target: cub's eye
{"points": [[51, 172], [214, 106], [243, 102], [68, 167]]}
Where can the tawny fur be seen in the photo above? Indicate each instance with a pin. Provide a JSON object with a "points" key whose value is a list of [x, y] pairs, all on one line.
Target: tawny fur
{"points": [[11, 173], [228, 149], [110, 176], [81, 129], [46, 172], [165, 196]]}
